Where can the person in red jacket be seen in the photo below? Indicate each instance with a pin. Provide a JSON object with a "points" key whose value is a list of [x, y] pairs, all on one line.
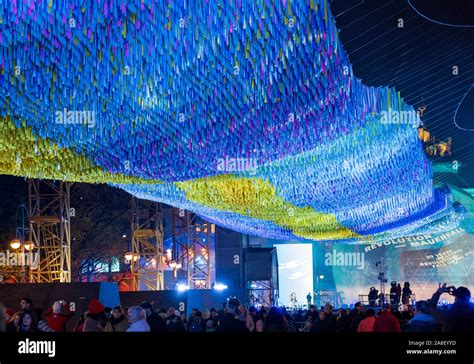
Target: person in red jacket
{"points": [[57, 316], [386, 322]]}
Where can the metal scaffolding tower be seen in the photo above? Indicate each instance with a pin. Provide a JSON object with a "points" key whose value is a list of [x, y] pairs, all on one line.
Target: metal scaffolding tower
{"points": [[191, 247], [50, 230], [147, 246]]}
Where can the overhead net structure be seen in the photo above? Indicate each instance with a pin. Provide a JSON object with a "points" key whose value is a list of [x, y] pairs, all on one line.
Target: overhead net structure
{"points": [[245, 112]]}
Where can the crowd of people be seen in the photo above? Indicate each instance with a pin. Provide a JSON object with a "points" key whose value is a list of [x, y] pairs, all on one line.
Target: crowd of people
{"points": [[425, 316]]}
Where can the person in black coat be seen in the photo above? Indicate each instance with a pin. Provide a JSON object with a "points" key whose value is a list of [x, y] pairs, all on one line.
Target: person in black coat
{"points": [[174, 322], [155, 321], [459, 317], [230, 322]]}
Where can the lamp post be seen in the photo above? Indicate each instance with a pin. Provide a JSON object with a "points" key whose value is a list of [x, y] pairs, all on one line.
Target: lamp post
{"points": [[27, 259]]}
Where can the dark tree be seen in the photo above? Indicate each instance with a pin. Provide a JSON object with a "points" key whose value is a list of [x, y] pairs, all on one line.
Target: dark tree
{"points": [[102, 218]]}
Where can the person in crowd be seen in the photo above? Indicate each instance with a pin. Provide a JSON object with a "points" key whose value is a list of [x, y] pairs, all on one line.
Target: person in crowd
{"points": [[275, 321], [156, 307], [173, 321], [79, 327], [386, 321], [26, 303], [393, 294], [322, 324], [343, 321], [155, 321], [117, 321], [399, 294], [183, 318], [190, 319], [7, 314], [162, 312], [42, 324], [357, 315], [291, 325], [214, 316], [459, 317], [299, 316], [220, 314], [206, 314], [95, 319], [423, 321], [373, 295], [58, 315], [12, 325], [367, 324], [231, 322], [331, 319], [137, 318], [308, 324], [210, 326], [311, 313], [262, 314], [27, 321], [108, 312], [355, 311], [406, 293], [246, 318], [408, 313], [196, 323]]}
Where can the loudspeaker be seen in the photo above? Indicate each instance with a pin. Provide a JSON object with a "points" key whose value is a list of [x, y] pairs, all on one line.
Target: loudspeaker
{"points": [[262, 264], [229, 258]]}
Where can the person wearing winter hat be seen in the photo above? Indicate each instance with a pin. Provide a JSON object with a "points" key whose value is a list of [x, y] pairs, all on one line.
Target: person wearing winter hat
{"points": [[96, 317], [58, 315], [7, 314]]}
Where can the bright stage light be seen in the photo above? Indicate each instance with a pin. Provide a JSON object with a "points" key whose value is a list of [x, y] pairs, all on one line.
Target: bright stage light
{"points": [[182, 287], [220, 286]]}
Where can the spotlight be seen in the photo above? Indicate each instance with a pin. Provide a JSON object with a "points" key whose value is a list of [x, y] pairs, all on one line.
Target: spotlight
{"points": [[219, 286], [182, 287]]}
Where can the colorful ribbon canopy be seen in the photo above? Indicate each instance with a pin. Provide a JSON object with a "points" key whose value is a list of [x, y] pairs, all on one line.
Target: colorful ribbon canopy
{"points": [[246, 112]]}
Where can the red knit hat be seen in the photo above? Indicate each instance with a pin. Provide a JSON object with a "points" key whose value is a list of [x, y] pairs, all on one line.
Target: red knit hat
{"points": [[95, 306], [9, 312]]}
